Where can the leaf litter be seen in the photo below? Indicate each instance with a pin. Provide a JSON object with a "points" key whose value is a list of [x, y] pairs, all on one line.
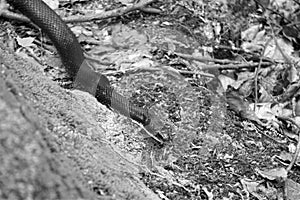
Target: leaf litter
{"points": [[235, 124]]}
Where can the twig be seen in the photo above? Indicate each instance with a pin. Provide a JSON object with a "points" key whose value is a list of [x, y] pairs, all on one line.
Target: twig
{"points": [[151, 10], [229, 48], [205, 59], [234, 66], [86, 18], [256, 74], [109, 14], [196, 73]]}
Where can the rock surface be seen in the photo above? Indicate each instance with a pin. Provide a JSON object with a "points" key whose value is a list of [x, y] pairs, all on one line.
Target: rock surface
{"points": [[53, 142]]}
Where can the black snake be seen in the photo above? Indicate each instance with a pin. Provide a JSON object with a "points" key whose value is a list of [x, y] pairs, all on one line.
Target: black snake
{"points": [[77, 66]]}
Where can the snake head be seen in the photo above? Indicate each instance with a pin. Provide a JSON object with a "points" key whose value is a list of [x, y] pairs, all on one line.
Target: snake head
{"points": [[158, 126]]}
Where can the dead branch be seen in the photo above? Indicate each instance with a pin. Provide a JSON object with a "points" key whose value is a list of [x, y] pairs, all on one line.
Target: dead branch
{"points": [[4, 12]]}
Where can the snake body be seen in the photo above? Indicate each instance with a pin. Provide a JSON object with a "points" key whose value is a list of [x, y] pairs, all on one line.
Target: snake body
{"points": [[75, 62]]}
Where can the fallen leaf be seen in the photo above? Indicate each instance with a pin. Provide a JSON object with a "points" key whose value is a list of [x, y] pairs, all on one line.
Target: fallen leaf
{"points": [[25, 42], [226, 81], [273, 174], [272, 50], [53, 4], [250, 33]]}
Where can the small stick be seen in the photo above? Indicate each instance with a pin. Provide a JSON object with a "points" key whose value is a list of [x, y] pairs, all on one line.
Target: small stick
{"points": [[4, 12]]}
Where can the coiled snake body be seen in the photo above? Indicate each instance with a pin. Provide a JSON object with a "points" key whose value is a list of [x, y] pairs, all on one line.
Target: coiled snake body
{"points": [[75, 63]]}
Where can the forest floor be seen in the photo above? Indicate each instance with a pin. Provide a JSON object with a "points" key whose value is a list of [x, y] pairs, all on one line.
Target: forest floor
{"points": [[222, 74]]}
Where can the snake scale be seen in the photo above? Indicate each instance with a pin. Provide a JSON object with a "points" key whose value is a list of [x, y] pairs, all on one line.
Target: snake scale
{"points": [[77, 66]]}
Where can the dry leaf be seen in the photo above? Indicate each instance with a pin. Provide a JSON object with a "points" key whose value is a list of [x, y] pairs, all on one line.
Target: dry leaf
{"points": [[273, 174], [53, 4], [25, 42]]}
